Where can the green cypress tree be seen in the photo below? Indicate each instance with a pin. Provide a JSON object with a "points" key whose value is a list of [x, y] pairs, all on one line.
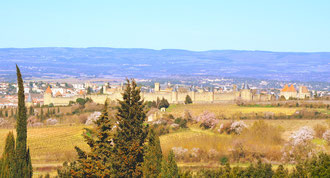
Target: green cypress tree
{"points": [[58, 109], [42, 117], [281, 172], [22, 169], [188, 100], [31, 111], [169, 167], [97, 162], [152, 164], [6, 113], [131, 133], [1, 114], [12, 113], [7, 168]]}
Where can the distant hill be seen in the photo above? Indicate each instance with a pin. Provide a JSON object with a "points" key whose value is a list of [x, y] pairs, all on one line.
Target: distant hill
{"points": [[122, 62]]}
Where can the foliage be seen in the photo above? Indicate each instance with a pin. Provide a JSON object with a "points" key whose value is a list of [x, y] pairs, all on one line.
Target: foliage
{"points": [[131, 133], [207, 120], [23, 162], [98, 161], [83, 101], [188, 100], [299, 146], [326, 136], [152, 156], [182, 122], [7, 166], [169, 167], [163, 103], [319, 130]]}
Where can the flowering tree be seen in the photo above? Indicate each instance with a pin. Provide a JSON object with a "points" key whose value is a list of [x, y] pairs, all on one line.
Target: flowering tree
{"points": [[300, 146], [237, 127], [207, 120], [179, 152], [326, 136]]}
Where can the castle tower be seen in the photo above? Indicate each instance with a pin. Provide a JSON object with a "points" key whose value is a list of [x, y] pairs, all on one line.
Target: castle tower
{"points": [[48, 96], [234, 88], [157, 87]]}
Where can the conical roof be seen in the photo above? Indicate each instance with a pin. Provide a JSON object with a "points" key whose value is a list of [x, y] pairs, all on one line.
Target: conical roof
{"points": [[292, 89], [48, 90], [58, 94], [285, 88]]}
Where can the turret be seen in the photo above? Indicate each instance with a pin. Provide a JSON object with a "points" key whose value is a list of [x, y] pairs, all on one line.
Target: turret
{"points": [[157, 87], [48, 96]]}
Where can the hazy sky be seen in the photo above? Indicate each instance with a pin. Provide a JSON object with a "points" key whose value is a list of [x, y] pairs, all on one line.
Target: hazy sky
{"points": [[280, 25]]}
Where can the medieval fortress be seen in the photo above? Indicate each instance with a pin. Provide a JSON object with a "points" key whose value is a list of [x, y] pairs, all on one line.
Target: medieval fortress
{"points": [[177, 95]]}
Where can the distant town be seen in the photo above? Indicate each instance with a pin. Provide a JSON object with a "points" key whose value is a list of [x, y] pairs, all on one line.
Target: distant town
{"points": [[203, 90]]}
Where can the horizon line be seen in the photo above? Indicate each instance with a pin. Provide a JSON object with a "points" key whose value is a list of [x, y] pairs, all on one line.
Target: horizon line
{"points": [[167, 49]]}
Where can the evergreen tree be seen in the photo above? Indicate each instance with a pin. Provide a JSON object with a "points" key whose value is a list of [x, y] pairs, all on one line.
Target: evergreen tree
{"points": [[22, 164], [281, 172], [6, 113], [169, 167], [164, 103], [97, 162], [7, 168], [12, 113], [31, 111], [131, 133], [152, 164], [41, 114], [188, 100], [58, 109], [1, 114]]}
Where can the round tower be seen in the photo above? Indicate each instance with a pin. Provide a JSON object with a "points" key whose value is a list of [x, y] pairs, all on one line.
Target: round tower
{"points": [[48, 96]]}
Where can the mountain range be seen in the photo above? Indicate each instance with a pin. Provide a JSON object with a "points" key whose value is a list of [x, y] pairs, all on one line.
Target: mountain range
{"points": [[100, 62]]}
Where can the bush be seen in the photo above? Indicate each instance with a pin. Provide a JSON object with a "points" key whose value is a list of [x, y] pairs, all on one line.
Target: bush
{"points": [[300, 146], [224, 160], [188, 100], [262, 132], [207, 120], [319, 130], [182, 122], [326, 136]]}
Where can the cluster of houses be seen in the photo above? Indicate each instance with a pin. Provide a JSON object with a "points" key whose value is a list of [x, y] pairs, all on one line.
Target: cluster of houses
{"points": [[46, 93]]}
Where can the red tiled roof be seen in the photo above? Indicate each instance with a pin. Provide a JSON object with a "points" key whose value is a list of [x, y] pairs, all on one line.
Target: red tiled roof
{"points": [[48, 90]]}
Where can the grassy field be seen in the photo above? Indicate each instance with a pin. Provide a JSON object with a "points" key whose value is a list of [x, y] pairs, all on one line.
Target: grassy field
{"points": [[224, 109], [51, 146]]}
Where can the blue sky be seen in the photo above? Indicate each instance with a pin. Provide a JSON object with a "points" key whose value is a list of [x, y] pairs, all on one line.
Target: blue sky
{"points": [[280, 25]]}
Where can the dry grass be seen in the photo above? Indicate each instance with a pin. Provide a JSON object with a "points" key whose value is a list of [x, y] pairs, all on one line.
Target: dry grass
{"points": [[224, 109], [196, 138], [51, 146]]}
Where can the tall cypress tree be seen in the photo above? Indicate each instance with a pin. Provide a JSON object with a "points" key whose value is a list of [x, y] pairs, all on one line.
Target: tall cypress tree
{"points": [[152, 164], [97, 162], [22, 169], [7, 168], [169, 167], [131, 133]]}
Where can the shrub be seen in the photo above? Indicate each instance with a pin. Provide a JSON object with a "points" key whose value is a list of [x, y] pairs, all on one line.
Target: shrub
{"points": [[319, 130], [262, 132], [299, 146], [207, 120], [179, 152], [237, 127], [182, 122], [225, 128], [188, 100], [223, 160], [326, 136]]}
